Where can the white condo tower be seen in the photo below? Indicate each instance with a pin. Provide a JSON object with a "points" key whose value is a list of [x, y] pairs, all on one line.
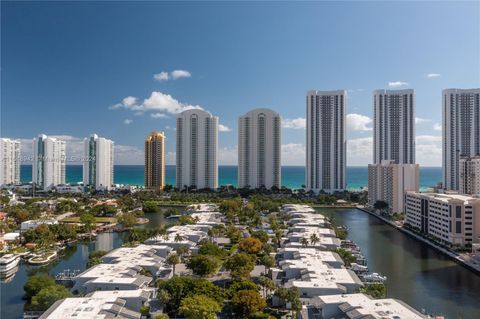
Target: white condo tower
{"points": [[394, 126], [10, 161], [461, 131], [98, 162], [259, 142], [197, 143], [326, 141], [48, 167]]}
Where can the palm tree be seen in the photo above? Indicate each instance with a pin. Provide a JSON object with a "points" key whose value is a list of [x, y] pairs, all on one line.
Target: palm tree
{"points": [[314, 239], [178, 238], [173, 260], [304, 242]]}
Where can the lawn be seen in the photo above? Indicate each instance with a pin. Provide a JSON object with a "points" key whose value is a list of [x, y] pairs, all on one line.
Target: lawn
{"points": [[97, 220]]}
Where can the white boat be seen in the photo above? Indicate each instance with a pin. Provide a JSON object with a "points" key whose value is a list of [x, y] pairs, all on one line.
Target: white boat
{"points": [[374, 277], [358, 268], [8, 262]]}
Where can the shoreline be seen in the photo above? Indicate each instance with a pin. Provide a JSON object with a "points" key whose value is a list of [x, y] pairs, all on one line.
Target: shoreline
{"points": [[453, 256]]}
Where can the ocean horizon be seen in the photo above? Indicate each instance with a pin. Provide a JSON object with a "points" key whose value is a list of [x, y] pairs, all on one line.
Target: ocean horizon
{"points": [[292, 176]]}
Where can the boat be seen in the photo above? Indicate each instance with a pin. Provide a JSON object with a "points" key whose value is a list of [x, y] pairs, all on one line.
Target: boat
{"points": [[358, 268], [8, 262], [9, 275], [374, 278]]}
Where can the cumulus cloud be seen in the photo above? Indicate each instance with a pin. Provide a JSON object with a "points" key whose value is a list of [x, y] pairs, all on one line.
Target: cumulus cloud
{"points": [[156, 102], [298, 123], [293, 154], [433, 75], [223, 128], [174, 75], [396, 84], [128, 155], [127, 121], [419, 120], [358, 122], [437, 126], [429, 150], [359, 151], [162, 76], [159, 116]]}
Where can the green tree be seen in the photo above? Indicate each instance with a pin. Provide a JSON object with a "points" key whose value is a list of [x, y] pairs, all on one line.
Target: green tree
{"points": [[240, 265], [314, 239], [268, 261], [173, 260], [47, 297], [304, 242], [208, 248], [236, 286], [127, 219], [261, 235], [247, 302], [380, 205], [234, 234], [150, 207], [376, 290], [267, 285], [250, 245], [203, 265], [346, 256], [199, 307], [94, 258], [162, 316], [88, 221], [35, 283]]}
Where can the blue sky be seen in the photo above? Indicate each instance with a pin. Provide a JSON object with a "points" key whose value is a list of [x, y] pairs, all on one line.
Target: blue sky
{"points": [[67, 66]]}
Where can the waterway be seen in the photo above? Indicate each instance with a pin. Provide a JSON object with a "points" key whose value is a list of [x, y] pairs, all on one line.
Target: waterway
{"points": [[75, 257], [417, 274]]}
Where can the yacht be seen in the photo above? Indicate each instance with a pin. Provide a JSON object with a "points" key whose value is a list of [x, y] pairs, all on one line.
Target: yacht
{"points": [[8, 262]]}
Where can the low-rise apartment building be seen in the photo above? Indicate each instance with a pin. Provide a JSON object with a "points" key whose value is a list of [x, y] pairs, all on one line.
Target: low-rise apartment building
{"points": [[450, 218]]}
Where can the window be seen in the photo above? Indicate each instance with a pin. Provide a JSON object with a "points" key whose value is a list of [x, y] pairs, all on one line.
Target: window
{"points": [[458, 212], [458, 227]]}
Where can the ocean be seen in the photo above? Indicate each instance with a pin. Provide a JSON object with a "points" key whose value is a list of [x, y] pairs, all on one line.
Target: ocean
{"points": [[292, 176]]}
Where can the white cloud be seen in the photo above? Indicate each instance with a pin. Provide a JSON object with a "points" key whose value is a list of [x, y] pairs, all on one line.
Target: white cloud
{"points": [[437, 126], [428, 150], [419, 120], [298, 124], [228, 155], [359, 151], [127, 121], [358, 122], [157, 101], [433, 75], [176, 74], [223, 128], [159, 116], [293, 154], [396, 84], [162, 76], [128, 155]]}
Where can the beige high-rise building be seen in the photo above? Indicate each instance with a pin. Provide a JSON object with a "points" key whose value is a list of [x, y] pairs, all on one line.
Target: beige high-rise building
{"points": [[470, 175], [155, 161], [388, 182]]}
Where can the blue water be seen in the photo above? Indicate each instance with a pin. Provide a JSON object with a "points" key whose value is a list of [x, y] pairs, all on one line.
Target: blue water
{"points": [[292, 176]]}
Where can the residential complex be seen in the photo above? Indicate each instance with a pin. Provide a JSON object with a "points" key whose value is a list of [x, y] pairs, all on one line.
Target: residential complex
{"points": [[326, 141], [394, 126], [197, 143], [461, 131], [98, 162], [469, 177], [388, 182], [155, 161], [259, 143], [10, 161], [450, 218], [48, 169]]}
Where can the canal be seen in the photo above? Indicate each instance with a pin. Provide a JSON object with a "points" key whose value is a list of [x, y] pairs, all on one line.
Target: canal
{"points": [[417, 273]]}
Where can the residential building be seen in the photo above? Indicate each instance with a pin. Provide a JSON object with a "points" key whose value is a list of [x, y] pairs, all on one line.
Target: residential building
{"points": [[450, 218], [155, 161], [388, 182], [98, 162], [197, 144], [259, 149], [469, 180], [10, 161], [326, 141], [394, 126], [48, 169], [357, 306], [461, 131]]}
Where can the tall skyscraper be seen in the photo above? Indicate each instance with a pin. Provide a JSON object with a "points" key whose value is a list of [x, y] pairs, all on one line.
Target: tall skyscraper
{"points": [[461, 131], [469, 179], [389, 181], [10, 161], [98, 162], [394, 126], [326, 144], [155, 161], [259, 135], [48, 167], [197, 143]]}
